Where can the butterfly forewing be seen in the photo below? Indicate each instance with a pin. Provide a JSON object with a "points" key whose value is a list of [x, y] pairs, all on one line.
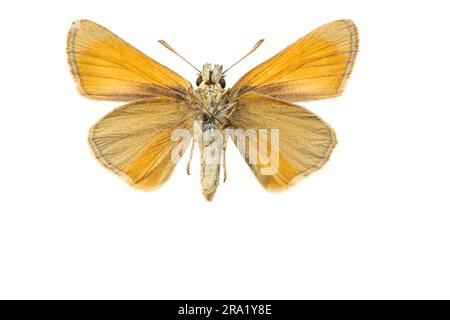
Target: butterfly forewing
{"points": [[105, 67], [315, 67]]}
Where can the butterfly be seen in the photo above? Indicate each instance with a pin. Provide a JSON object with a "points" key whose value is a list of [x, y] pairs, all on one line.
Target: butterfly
{"points": [[143, 139]]}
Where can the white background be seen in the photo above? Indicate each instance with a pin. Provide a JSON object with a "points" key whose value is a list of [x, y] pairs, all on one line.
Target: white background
{"points": [[374, 223]]}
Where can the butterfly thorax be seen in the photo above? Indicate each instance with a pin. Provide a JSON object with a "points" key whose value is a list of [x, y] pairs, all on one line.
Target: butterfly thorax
{"points": [[210, 91]]}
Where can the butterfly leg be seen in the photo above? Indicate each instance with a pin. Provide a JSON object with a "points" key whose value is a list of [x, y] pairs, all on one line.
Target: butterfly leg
{"points": [[232, 108], [221, 101], [224, 151], [190, 156]]}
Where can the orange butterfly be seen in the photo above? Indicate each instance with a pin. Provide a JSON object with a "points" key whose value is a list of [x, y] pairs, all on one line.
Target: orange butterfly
{"points": [[280, 141]]}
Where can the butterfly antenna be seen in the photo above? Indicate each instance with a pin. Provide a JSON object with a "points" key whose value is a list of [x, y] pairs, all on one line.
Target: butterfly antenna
{"points": [[249, 53], [165, 44]]}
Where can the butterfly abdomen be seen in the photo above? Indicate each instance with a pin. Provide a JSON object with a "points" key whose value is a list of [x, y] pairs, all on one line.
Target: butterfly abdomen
{"points": [[211, 147]]}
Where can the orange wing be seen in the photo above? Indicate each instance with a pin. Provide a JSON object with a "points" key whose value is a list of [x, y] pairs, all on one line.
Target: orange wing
{"points": [[135, 140], [315, 67], [105, 67], [303, 145]]}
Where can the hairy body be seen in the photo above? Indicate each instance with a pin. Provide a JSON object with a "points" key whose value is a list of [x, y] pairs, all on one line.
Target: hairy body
{"points": [[211, 118]]}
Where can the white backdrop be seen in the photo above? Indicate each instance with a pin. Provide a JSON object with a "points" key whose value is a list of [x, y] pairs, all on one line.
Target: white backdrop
{"points": [[374, 223]]}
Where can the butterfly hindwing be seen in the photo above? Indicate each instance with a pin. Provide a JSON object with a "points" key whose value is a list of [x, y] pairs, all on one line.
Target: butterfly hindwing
{"points": [[304, 142], [136, 142]]}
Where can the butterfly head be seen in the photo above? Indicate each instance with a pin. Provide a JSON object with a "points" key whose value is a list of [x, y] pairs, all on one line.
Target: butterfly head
{"points": [[211, 75]]}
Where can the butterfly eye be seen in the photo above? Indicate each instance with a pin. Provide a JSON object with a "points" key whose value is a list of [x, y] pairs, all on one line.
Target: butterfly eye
{"points": [[199, 80], [204, 116], [222, 83]]}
